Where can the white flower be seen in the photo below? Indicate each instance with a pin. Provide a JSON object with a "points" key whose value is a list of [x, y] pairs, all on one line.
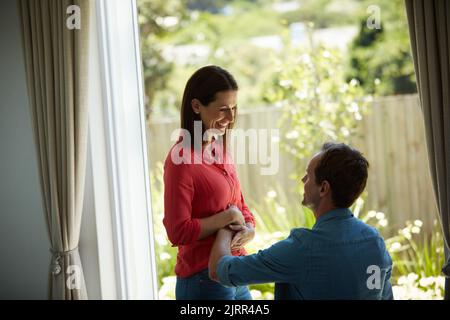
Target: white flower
{"points": [[440, 281], [306, 58], [167, 21], [326, 54], [383, 222], [167, 290], [418, 223], [353, 107], [377, 81], [426, 281], [161, 239], [256, 294], [371, 214], [293, 134], [280, 209], [343, 88], [301, 94], [399, 292], [164, 256], [268, 296], [412, 277], [380, 215], [345, 132], [415, 229], [401, 280], [396, 246], [354, 82], [278, 234], [406, 233], [285, 83], [271, 194]]}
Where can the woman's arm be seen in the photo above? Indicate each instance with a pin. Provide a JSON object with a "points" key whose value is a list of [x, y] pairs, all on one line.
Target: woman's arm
{"points": [[181, 228], [248, 216], [246, 234], [212, 224]]}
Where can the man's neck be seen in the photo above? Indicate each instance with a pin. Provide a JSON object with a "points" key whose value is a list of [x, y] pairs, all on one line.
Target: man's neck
{"points": [[322, 209]]}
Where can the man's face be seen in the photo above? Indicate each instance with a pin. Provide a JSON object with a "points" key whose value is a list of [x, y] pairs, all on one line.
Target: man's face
{"points": [[311, 191]]}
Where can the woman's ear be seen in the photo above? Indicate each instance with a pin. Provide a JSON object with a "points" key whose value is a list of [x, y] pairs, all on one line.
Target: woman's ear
{"points": [[195, 104]]}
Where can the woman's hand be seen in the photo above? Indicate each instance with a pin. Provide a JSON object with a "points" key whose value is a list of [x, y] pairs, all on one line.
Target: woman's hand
{"points": [[230, 216], [235, 216], [243, 236]]}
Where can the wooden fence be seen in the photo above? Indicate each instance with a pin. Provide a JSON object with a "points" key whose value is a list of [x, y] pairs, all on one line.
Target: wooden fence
{"points": [[393, 140]]}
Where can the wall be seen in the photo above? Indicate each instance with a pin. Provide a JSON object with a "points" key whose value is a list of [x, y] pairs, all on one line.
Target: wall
{"points": [[24, 245]]}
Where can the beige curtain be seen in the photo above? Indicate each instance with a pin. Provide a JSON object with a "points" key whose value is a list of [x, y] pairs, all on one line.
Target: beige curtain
{"points": [[429, 29], [56, 66]]}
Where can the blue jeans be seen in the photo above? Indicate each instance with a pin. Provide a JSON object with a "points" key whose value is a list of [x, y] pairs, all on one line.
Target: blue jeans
{"points": [[200, 287]]}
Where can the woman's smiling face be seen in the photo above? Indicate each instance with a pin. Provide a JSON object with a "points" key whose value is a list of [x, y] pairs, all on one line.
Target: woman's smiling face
{"points": [[220, 113]]}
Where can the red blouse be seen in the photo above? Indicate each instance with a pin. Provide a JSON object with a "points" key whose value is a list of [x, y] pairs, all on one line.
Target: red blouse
{"points": [[192, 192]]}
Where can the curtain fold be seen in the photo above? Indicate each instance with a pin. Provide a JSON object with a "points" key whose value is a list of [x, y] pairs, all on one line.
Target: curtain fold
{"points": [[429, 30], [56, 59]]}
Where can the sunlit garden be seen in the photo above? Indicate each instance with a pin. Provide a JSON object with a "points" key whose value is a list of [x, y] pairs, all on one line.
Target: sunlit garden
{"points": [[314, 70]]}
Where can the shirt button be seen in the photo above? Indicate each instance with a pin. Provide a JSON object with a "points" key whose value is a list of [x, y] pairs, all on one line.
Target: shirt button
{"points": [[224, 173]]}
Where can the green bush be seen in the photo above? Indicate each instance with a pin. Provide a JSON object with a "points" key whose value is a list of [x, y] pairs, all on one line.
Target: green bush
{"points": [[318, 105]]}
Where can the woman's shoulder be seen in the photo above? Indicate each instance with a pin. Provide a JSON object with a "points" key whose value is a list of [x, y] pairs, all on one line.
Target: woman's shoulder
{"points": [[179, 156]]}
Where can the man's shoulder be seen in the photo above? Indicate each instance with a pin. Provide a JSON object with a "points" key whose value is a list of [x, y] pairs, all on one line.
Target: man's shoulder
{"points": [[302, 235], [365, 228]]}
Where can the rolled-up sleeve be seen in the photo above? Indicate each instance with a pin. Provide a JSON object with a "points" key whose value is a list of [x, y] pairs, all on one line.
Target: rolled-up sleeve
{"points": [[282, 262], [181, 228], [248, 216]]}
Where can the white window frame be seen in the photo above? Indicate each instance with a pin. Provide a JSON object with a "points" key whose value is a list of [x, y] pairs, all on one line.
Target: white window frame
{"points": [[118, 149]]}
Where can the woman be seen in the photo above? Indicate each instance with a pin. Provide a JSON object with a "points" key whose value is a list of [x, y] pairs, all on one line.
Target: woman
{"points": [[202, 196]]}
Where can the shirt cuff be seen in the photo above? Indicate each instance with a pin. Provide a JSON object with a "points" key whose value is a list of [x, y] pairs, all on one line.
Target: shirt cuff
{"points": [[248, 217], [223, 271]]}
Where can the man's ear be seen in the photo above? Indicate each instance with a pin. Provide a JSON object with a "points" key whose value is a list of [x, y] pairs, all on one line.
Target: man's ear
{"points": [[195, 104], [325, 188]]}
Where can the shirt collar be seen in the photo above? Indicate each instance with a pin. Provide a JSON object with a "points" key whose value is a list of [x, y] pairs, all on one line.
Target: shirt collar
{"points": [[335, 213]]}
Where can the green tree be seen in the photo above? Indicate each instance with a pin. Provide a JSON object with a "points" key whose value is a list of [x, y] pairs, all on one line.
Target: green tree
{"points": [[157, 18], [380, 59]]}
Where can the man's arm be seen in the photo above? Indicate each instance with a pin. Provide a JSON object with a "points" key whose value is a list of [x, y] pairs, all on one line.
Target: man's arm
{"points": [[285, 261], [220, 249], [387, 293], [243, 235]]}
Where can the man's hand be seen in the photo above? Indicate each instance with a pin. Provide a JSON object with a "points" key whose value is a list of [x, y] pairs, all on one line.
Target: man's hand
{"points": [[243, 236], [220, 248]]}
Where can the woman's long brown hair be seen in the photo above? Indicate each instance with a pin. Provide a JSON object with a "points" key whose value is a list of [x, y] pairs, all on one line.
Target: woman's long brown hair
{"points": [[203, 85]]}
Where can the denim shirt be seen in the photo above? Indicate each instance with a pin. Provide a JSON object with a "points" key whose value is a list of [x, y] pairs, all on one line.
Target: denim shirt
{"points": [[339, 258]]}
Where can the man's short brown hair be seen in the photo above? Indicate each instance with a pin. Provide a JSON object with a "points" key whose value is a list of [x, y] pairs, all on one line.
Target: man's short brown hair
{"points": [[345, 169]]}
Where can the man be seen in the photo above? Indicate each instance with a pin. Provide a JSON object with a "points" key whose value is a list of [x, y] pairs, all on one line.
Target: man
{"points": [[339, 258]]}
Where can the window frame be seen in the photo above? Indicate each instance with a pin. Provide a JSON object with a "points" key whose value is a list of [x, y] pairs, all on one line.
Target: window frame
{"points": [[118, 156]]}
